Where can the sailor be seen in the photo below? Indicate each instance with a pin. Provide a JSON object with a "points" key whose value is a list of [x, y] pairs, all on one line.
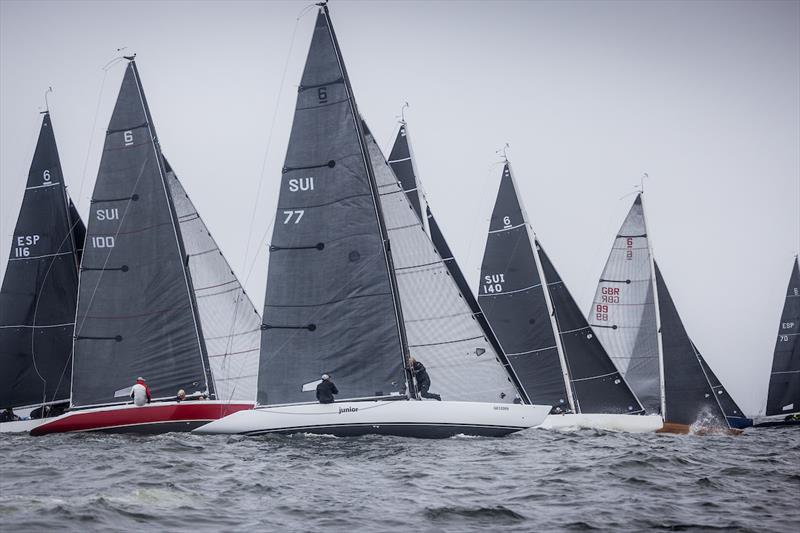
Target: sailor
{"points": [[8, 415], [181, 395], [326, 389], [140, 392], [417, 371]]}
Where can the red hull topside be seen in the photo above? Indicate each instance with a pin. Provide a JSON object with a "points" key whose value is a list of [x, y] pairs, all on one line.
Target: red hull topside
{"points": [[161, 417]]}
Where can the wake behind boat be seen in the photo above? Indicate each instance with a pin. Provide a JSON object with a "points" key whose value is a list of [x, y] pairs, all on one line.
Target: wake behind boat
{"points": [[402, 418]]}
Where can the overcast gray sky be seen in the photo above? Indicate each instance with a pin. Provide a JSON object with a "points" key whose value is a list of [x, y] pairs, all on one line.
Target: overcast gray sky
{"points": [[703, 96]]}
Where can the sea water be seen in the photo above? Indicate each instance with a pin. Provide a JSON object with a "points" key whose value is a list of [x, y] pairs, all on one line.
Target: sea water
{"points": [[532, 481]]}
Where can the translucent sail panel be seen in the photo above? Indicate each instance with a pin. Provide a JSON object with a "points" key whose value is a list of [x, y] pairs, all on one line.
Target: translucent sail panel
{"points": [[597, 385], [783, 396], [231, 325], [511, 293], [39, 291], [688, 392], [329, 305], [623, 312], [402, 163], [442, 332], [136, 313]]}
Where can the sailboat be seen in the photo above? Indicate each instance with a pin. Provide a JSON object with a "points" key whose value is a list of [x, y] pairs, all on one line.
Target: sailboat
{"points": [[547, 340], [37, 299], [155, 296], [783, 396], [636, 320], [333, 298]]}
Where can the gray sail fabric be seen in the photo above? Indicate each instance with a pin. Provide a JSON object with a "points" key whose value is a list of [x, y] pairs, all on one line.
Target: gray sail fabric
{"points": [[39, 291], [231, 324], [783, 396], [735, 416], [688, 393], [402, 164], [623, 312], [512, 297], [329, 305], [442, 332], [597, 385], [136, 311]]}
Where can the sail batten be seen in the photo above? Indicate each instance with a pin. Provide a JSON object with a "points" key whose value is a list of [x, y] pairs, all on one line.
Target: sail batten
{"points": [[39, 290]]}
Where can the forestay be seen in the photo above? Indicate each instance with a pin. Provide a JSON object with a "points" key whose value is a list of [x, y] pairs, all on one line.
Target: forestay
{"points": [[511, 294], [623, 312], [783, 397], [231, 325], [136, 310], [597, 385], [688, 392], [37, 299], [442, 332], [330, 303]]}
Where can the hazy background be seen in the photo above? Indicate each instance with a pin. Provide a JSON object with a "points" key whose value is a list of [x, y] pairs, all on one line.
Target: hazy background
{"points": [[703, 96]]}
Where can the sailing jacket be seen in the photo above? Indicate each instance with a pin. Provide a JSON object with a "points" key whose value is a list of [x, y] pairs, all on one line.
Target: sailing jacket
{"points": [[325, 391], [419, 372]]}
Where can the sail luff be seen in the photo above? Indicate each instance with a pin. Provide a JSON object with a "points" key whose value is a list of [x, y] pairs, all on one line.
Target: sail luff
{"points": [[210, 389], [659, 339], [375, 198]]}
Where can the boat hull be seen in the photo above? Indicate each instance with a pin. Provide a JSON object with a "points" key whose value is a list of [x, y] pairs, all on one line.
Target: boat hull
{"points": [[154, 418], [421, 419], [22, 426], [685, 429], [603, 421]]}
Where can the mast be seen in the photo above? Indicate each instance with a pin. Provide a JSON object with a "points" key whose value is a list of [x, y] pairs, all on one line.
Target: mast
{"points": [[375, 200], [657, 311], [210, 389]]}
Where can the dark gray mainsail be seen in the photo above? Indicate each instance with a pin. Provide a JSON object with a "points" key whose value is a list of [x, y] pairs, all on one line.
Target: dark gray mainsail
{"points": [[783, 396], [231, 325], [402, 162], [331, 302], [597, 385], [689, 397], [512, 296], [39, 291], [137, 313]]}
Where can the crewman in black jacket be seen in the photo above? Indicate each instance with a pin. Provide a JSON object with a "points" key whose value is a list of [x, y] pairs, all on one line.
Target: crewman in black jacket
{"points": [[417, 370], [326, 389]]}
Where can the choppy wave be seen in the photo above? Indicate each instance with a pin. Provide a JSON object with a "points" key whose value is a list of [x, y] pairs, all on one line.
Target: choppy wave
{"points": [[531, 481]]}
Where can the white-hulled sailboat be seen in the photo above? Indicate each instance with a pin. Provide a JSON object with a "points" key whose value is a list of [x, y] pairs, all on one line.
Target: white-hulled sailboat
{"points": [[333, 299]]}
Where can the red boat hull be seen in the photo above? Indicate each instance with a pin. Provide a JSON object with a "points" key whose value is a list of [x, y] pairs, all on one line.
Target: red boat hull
{"points": [[161, 417]]}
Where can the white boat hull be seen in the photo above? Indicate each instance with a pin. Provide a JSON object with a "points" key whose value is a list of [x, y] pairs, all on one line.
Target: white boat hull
{"points": [[607, 422], [423, 419], [22, 426]]}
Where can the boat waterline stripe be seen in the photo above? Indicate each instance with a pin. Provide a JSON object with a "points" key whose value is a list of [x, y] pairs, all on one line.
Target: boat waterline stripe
{"points": [[532, 351], [37, 257], [594, 377], [40, 326], [372, 424], [43, 186], [511, 292], [507, 229]]}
